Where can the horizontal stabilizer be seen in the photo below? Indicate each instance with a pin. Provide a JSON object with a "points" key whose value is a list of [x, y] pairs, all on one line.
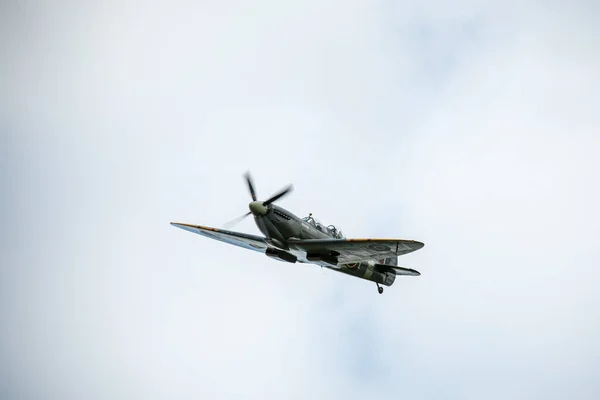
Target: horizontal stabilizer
{"points": [[398, 270]]}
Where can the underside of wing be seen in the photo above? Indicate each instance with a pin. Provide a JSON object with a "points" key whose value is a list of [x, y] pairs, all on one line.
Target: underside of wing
{"points": [[250, 242], [357, 250]]}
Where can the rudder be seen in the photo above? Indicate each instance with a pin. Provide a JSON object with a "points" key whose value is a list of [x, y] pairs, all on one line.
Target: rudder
{"points": [[393, 261]]}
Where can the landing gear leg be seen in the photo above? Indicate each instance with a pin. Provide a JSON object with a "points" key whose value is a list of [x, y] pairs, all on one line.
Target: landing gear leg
{"points": [[379, 288]]}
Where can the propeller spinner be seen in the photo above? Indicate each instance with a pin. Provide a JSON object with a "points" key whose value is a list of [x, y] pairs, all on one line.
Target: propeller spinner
{"points": [[257, 207]]}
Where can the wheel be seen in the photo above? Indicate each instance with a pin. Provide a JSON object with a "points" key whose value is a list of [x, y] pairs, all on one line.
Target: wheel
{"points": [[380, 289]]}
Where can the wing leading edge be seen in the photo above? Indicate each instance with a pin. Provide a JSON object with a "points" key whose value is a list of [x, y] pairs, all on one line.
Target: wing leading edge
{"points": [[250, 242]]}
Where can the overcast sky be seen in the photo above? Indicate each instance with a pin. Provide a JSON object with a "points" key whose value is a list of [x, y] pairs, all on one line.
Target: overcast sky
{"points": [[472, 126]]}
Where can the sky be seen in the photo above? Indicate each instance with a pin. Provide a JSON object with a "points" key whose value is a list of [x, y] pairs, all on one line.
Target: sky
{"points": [[471, 126]]}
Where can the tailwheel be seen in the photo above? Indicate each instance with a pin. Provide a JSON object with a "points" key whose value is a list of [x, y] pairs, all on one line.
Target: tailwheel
{"points": [[379, 288]]}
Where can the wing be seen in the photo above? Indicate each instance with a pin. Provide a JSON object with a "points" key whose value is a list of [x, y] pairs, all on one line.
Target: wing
{"points": [[244, 240], [356, 250]]}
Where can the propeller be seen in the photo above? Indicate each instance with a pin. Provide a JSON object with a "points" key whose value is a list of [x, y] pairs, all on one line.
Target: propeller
{"points": [[250, 186], [278, 196], [236, 221], [257, 207]]}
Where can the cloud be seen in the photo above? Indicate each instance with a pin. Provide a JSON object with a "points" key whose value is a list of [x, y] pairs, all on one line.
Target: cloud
{"points": [[470, 127]]}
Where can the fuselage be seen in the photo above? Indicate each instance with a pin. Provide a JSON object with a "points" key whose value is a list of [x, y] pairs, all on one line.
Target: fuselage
{"points": [[281, 225]]}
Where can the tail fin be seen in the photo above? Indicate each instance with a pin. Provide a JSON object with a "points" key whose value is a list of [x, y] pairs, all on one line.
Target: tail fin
{"points": [[389, 261]]}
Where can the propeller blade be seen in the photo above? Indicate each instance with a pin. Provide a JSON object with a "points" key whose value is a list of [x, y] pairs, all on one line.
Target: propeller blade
{"points": [[278, 195], [235, 221], [250, 186]]}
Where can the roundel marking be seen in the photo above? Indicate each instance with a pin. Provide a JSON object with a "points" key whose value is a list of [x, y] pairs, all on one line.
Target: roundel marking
{"points": [[351, 266], [379, 247]]}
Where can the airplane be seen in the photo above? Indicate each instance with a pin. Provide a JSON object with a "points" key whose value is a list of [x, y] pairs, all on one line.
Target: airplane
{"points": [[289, 238]]}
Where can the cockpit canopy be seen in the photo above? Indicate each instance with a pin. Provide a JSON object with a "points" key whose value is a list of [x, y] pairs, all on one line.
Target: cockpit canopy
{"points": [[329, 230]]}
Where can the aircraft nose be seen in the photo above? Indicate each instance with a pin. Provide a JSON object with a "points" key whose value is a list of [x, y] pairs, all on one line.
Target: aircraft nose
{"points": [[257, 208]]}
